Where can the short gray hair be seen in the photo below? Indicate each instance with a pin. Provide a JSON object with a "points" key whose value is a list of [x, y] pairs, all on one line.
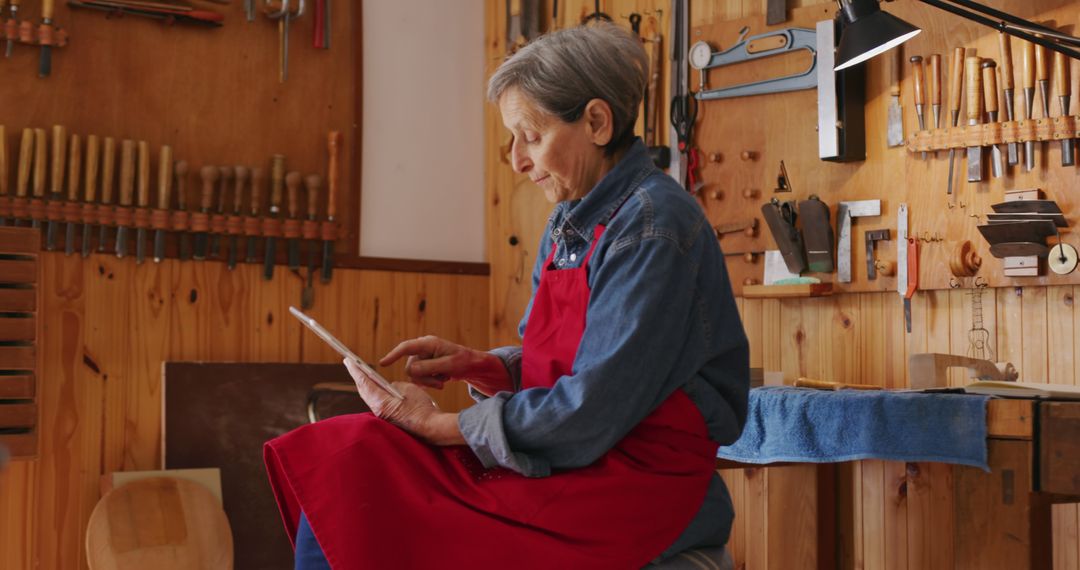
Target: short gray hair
{"points": [[564, 70]]}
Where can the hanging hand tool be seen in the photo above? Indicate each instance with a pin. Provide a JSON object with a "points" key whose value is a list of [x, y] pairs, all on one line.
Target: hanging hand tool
{"points": [[241, 174], [108, 164], [279, 10], [180, 171], [292, 186], [45, 37], [912, 278], [919, 93], [989, 73], [1027, 82], [768, 44], [56, 187], [168, 14], [935, 88], [845, 212], [41, 155], [973, 78], [872, 266], [1042, 78], [74, 171], [143, 200], [209, 176], [956, 87], [320, 28], [11, 27], [22, 180], [127, 190], [894, 132], [249, 10], [901, 249], [679, 90], [312, 183], [225, 176], [165, 181], [334, 149], [256, 203], [3, 164], [1064, 92], [90, 193], [1008, 89], [277, 183]]}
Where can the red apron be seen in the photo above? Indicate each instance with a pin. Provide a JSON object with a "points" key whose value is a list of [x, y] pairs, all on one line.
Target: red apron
{"points": [[376, 497]]}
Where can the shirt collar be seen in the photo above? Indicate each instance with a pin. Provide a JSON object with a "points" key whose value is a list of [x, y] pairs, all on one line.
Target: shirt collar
{"points": [[600, 204]]}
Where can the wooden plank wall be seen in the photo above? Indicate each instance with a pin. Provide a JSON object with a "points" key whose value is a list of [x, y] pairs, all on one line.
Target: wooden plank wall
{"points": [[891, 515], [109, 326]]}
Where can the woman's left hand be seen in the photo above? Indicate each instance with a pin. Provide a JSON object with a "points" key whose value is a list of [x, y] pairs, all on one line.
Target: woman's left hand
{"points": [[417, 413]]}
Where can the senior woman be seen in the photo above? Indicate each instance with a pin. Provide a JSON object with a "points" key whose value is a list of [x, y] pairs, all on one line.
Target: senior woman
{"points": [[593, 444]]}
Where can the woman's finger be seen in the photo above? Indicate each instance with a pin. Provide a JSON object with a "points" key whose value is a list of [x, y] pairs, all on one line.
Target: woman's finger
{"points": [[422, 345]]}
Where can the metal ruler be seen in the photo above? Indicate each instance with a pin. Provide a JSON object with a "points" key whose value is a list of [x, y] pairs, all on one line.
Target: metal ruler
{"points": [[901, 250]]}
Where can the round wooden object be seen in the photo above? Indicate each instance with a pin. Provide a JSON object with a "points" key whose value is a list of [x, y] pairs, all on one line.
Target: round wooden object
{"points": [[965, 262], [161, 523]]}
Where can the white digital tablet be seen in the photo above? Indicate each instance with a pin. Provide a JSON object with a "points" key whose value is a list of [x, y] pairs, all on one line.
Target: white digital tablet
{"points": [[344, 351]]}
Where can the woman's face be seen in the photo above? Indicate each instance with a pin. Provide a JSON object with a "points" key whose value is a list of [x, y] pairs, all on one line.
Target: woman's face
{"points": [[565, 159]]}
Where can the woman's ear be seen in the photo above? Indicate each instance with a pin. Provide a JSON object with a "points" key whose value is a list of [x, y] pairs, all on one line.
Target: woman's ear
{"points": [[600, 121]]}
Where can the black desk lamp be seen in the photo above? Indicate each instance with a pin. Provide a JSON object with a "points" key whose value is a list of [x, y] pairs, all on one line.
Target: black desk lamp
{"points": [[868, 31]]}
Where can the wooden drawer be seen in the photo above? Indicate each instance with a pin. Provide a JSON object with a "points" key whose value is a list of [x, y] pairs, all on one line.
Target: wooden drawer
{"points": [[19, 333]]}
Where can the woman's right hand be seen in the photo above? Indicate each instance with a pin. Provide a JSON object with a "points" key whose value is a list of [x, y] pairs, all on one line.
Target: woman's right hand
{"points": [[433, 361]]}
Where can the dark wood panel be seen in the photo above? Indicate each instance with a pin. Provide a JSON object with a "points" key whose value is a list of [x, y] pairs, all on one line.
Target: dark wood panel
{"points": [[18, 415], [18, 300], [21, 445], [18, 270], [17, 386], [17, 358], [18, 240], [1059, 448]]}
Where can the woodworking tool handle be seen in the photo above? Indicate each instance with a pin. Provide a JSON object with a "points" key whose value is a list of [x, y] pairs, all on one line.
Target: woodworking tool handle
{"points": [[990, 92], [144, 174], [41, 153], [225, 175], [59, 148], [333, 146], [165, 177], [127, 171], [973, 77], [92, 162], [277, 182], [241, 175], [1027, 62], [257, 182], [107, 170], [26, 153], [1041, 71], [180, 171], [917, 75], [956, 84], [1006, 66], [292, 185], [1062, 87], [209, 176], [312, 183], [74, 168], [935, 79], [895, 71]]}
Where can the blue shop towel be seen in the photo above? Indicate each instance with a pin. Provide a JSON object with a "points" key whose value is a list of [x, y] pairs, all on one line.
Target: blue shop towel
{"points": [[815, 426]]}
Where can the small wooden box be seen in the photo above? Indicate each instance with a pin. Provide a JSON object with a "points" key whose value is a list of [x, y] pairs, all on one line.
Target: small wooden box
{"points": [[19, 324]]}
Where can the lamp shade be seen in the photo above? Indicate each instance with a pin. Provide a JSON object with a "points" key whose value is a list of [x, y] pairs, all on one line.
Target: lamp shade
{"points": [[868, 31]]}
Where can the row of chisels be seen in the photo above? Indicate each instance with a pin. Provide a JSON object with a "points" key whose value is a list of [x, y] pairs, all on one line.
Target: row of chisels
{"points": [[984, 83], [230, 204]]}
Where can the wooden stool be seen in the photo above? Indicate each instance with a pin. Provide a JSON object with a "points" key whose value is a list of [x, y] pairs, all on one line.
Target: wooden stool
{"points": [[709, 558], [161, 523]]}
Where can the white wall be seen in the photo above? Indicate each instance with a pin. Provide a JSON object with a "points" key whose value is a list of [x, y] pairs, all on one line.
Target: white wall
{"points": [[423, 168]]}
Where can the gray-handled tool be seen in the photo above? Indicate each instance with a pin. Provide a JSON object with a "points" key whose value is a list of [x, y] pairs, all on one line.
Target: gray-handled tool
{"points": [[956, 87], [990, 91], [225, 176], [74, 168], [973, 78], [56, 192], [164, 198], [241, 174], [108, 170], [292, 187], [1064, 93], [127, 191], [919, 93], [277, 184], [180, 171], [143, 199], [93, 160], [894, 134], [209, 176], [26, 161], [257, 182], [1027, 82], [768, 44], [1008, 90]]}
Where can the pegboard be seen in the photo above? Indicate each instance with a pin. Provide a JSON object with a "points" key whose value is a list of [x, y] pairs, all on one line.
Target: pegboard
{"points": [[743, 140]]}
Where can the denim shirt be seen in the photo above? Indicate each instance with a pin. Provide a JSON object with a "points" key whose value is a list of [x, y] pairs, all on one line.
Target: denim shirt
{"points": [[661, 316]]}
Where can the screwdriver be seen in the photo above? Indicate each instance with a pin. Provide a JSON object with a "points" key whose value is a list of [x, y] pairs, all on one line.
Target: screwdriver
{"points": [[92, 160], [108, 163], [74, 168]]}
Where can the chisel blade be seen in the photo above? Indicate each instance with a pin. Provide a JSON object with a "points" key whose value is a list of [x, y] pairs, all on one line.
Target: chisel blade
{"points": [[294, 253], [974, 160], [233, 246], [268, 261], [87, 233], [121, 241], [45, 62], [997, 163], [103, 237], [327, 261], [185, 246], [200, 246], [952, 160], [69, 239], [895, 133], [50, 235], [159, 246], [252, 250], [140, 246]]}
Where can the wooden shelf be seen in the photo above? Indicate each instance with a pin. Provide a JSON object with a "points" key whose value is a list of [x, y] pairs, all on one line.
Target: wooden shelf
{"points": [[783, 291]]}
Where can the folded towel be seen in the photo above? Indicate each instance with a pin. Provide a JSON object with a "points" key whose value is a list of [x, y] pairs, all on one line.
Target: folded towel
{"points": [[814, 426]]}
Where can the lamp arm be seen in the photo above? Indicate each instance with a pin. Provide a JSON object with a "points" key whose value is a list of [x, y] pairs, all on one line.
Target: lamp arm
{"points": [[1009, 24]]}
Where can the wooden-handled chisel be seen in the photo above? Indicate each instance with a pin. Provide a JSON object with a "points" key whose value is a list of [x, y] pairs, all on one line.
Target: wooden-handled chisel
{"points": [[312, 185], [164, 198], [1008, 90], [292, 186], [1027, 83], [108, 183], [1042, 78], [41, 157], [143, 199], [895, 127], [257, 181], [45, 35], [3, 168], [74, 172], [973, 78], [935, 88], [12, 27], [209, 176], [127, 191], [56, 181], [333, 146], [919, 93], [180, 170], [277, 184], [241, 173], [225, 176], [26, 159], [956, 87], [989, 73], [93, 159], [1064, 94]]}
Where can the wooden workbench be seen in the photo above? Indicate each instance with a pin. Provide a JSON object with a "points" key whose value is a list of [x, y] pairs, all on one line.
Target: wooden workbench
{"points": [[1003, 517]]}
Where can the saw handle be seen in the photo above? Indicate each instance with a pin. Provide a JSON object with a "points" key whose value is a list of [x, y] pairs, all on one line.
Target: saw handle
{"points": [[989, 78]]}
